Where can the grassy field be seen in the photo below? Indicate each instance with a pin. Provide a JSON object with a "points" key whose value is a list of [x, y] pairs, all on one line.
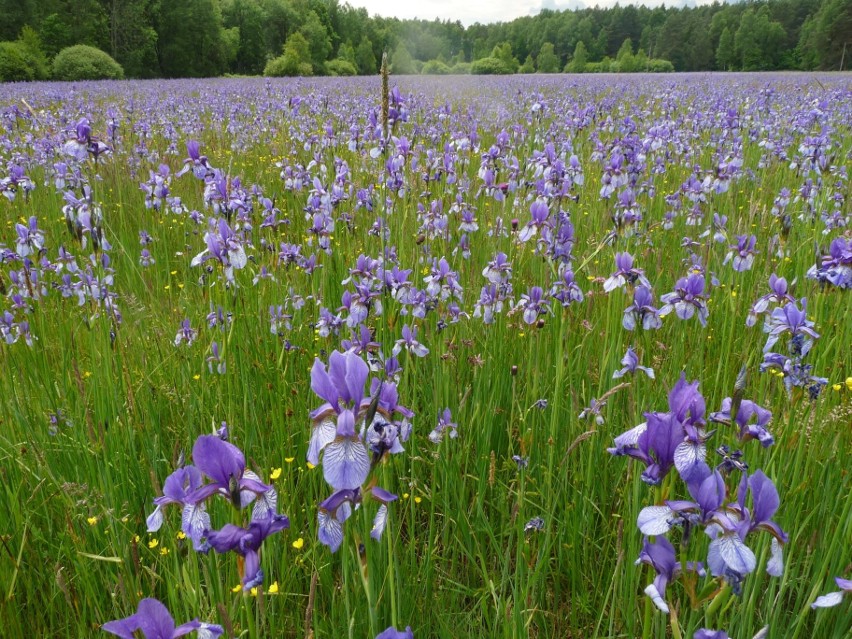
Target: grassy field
{"points": [[523, 525]]}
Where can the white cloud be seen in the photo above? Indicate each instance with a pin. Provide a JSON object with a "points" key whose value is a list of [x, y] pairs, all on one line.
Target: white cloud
{"points": [[485, 11]]}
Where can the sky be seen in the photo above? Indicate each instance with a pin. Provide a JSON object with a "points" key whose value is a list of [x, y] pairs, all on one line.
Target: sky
{"points": [[485, 11]]}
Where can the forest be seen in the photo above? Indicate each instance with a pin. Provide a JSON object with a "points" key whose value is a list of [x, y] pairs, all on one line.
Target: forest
{"points": [[203, 38]]}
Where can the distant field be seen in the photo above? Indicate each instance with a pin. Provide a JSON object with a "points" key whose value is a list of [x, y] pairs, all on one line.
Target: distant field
{"points": [[446, 318]]}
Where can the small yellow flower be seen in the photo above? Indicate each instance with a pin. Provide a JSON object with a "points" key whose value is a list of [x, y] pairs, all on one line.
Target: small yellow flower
{"points": [[298, 543], [153, 543], [837, 387], [417, 500], [289, 460], [253, 592], [196, 377], [276, 473], [733, 293], [164, 551], [174, 273], [849, 383], [273, 588], [92, 520], [237, 588], [136, 539], [166, 287], [310, 466], [87, 374], [180, 535], [405, 495], [125, 519]]}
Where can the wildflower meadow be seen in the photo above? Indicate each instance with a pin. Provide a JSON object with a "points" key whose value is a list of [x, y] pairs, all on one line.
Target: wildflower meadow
{"points": [[555, 356]]}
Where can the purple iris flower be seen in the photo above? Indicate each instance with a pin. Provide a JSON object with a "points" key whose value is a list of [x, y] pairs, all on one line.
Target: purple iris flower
{"points": [[225, 464], [336, 509], [30, 238], [246, 542], [346, 462], [641, 312], [179, 488], [565, 290], [778, 295], [796, 374], [742, 253], [410, 343], [533, 304], [836, 267], [672, 439], [661, 557], [393, 633], [153, 620], [687, 298], [705, 633], [793, 320], [196, 162], [185, 334], [728, 555], [445, 422], [834, 598], [708, 491], [625, 274], [630, 361], [540, 213], [746, 411]]}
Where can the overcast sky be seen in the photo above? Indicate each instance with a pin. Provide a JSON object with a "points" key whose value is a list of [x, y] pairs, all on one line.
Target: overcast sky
{"points": [[484, 11]]}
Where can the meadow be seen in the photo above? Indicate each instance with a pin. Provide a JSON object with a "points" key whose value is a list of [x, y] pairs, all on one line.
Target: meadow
{"points": [[481, 344]]}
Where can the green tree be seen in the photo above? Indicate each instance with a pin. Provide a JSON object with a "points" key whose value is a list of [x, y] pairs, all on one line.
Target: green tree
{"points": [[365, 59], [503, 52], [347, 52], [401, 61], [826, 39], [189, 39], [528, 66], [725, 54], [580, 60], [319, 42], [248, 17], [626, 62], [296, 59], [31, 45], [547, 61], [758, 42]]}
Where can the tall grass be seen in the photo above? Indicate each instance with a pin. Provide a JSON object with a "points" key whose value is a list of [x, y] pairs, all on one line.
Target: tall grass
{"points": [[456, 560]]}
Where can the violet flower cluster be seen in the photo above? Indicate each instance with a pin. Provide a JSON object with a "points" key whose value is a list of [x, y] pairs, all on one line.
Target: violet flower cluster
{"points": [[353, 432], [677, 440], [224, 465]]}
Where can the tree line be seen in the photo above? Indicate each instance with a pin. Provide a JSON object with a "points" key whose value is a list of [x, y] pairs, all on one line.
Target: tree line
{"points": [[200, 38]]}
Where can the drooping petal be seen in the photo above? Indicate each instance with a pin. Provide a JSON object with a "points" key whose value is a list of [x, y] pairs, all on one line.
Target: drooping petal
{"points": [[155, 520], [346, 463], [379, 522], [825, 601], [195, 521], [689, 459], [653, 593], [266, 505], [330, 530], [775, 565], [731, 552], [322, 435], [655, 520]]}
